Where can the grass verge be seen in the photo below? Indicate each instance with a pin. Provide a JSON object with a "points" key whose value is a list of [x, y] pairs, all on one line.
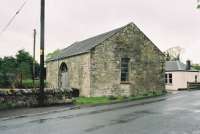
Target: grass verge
{"points": [[113, 99], [6, 106]]}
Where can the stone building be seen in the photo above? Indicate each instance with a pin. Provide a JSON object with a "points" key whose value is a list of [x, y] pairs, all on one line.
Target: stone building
{"points": [[121, 62]]}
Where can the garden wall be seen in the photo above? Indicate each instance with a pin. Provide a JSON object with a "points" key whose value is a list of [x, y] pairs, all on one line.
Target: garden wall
{"points": [[16, 100]]}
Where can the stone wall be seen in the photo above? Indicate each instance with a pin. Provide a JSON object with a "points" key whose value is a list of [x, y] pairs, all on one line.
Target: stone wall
{"points": [[15, 100], [52, 69], [78, 71], [145, 67]]}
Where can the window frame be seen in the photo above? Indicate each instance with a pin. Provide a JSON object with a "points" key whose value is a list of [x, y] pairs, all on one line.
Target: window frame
{"points": [[169, 78], [124, 74]]}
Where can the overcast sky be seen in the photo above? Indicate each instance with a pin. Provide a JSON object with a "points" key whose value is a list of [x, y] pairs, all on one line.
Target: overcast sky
{"points": [[167, 23]]}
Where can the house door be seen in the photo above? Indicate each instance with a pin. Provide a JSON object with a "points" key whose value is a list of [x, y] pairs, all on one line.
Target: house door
{"points": [[63, 77]]}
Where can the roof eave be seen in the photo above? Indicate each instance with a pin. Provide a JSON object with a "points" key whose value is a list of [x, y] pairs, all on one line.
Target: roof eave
{"points": [[64, 57], [181, 71]]}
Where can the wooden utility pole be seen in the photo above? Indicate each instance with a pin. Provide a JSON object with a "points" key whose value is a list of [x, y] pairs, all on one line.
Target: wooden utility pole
{"points": [[42, 41], [34, 42]]}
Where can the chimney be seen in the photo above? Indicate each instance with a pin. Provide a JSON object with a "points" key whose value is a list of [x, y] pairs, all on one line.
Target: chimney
{"points": [[188, 65]]}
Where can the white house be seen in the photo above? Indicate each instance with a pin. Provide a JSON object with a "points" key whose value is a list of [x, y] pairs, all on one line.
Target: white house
{"points": [[178, 75]]}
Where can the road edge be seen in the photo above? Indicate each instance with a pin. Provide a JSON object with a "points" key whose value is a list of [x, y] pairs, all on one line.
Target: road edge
{"points": [[134, 103]]}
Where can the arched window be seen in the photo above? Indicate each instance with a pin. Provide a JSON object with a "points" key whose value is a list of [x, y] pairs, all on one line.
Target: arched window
{"points": [[63, 79]]}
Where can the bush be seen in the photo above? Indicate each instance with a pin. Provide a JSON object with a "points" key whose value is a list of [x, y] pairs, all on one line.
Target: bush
{"points": [[122, 98], [146, 94], [112, 97]]}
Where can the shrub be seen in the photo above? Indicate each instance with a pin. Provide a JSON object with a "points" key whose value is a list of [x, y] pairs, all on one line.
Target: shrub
{"points": [[122, 98], [146, 94], [112, 97]]}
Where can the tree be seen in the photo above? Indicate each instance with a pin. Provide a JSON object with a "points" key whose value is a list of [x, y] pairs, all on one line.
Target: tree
{"points": [[198, 4], [196, 66], [9, 64], [8, 71], [15, 69], [1, 62], [23, 56], [25, 70], [24, 64], [1, 72], [173, 53], [53, 54]]}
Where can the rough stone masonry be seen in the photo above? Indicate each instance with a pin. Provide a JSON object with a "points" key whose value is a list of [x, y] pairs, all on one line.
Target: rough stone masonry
{"points": [[121, 62]]}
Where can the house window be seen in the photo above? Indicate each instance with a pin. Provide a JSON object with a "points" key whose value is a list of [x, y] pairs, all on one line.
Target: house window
{"points": [[166, 81], [124, 69], [168, 78]]}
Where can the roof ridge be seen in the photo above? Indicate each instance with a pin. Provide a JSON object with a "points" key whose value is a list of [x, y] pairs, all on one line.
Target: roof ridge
{"points": [[178, 65], [89, 43], [103, 33]]}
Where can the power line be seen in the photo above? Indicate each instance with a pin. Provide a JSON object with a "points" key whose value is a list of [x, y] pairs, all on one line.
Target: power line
{"points": [[13, 17]]}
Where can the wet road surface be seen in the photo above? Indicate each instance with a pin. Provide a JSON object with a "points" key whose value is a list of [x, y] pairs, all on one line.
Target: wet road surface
{"points": [[176, 114]]}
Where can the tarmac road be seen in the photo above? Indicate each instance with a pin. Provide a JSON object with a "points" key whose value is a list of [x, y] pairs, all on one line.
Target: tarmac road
{"points": [[174, 114]]}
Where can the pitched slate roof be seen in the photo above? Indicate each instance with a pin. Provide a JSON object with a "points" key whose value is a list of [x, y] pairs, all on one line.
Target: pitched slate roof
{"points": [[177, 66], [85, 45]]}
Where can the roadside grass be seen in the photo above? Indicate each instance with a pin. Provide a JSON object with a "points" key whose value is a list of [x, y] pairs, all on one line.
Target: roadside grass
{"points": [[91, 100], [6, 106], [98, 100], [28, 83], [113, 99]]}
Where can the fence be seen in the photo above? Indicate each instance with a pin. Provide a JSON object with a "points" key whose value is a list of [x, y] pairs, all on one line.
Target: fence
{"points": [[193, 85]]}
